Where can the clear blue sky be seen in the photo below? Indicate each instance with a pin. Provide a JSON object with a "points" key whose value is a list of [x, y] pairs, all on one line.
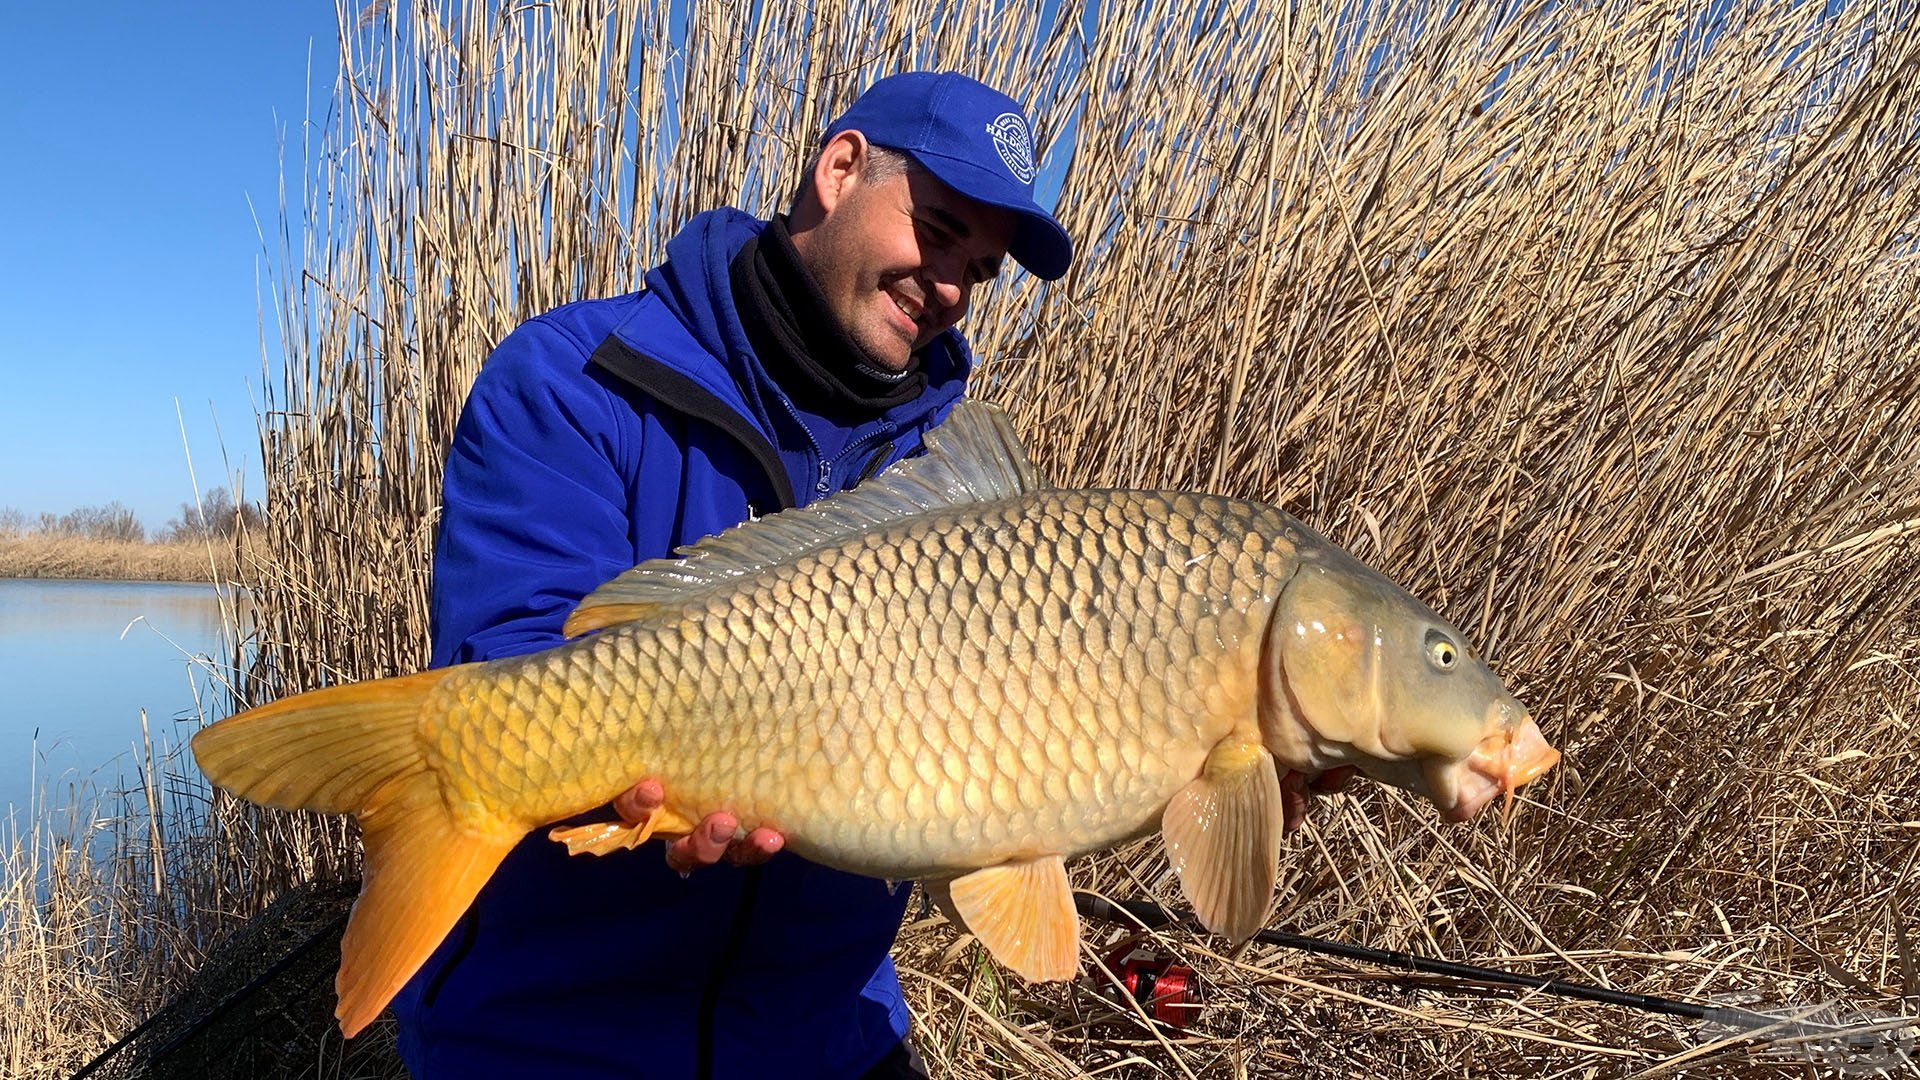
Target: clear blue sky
{"points": [[131, 136]]}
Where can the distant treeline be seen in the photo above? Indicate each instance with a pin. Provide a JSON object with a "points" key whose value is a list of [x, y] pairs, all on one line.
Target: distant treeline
{"points": [[215, 516]]}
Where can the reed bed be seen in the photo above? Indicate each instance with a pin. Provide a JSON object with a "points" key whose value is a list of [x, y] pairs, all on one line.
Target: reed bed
{"points": [[1593, 323], [32, 555]]}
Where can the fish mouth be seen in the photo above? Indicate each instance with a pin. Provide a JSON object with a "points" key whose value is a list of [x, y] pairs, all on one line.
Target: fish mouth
{"points": [[1500, 765]]}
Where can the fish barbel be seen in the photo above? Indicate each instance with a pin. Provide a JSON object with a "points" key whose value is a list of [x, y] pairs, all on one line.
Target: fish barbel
{"points": [[952, 673]]}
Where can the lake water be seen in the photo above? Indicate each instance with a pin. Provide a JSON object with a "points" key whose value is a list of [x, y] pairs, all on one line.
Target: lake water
{"points": [[78, 661]]}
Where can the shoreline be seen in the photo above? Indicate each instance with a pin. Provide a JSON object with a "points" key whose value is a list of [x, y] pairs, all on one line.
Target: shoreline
{"points": [[61, 558], [114, 579]]}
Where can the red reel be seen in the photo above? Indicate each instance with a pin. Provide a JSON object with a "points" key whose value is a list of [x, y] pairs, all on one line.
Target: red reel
{"points": [[1168, 991]]}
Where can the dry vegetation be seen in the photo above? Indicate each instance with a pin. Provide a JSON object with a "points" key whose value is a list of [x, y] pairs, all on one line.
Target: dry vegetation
{"points": [[38, 556], [107, 542], [1596, 330]]}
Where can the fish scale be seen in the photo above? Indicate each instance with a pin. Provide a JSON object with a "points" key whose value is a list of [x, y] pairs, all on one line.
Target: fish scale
{"points": [[1042, 677]]}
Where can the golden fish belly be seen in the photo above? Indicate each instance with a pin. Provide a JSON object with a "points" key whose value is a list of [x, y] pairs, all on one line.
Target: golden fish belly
{"points": [[1033, 676]]}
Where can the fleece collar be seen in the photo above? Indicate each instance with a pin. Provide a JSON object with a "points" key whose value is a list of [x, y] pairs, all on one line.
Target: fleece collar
{"points": [[694, 284]]}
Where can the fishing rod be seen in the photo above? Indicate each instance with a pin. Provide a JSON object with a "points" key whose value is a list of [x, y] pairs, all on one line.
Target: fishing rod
{"points": [[1150, 915]]}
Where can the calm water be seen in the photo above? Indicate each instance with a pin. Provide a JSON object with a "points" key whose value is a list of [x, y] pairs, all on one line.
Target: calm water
{"points": [[78, 661]]}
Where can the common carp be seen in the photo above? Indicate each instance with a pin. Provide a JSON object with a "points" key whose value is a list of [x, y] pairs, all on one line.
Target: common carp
{"points": [[954, 673]]}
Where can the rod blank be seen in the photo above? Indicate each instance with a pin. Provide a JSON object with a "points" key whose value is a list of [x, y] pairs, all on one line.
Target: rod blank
{"points": [[1151, 915]]}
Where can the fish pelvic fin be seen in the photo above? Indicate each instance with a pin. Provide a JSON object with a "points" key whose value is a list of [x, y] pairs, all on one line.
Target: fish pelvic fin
{"points": [[1223, 834], [972, 456], [1023, 913], [607, 837], [358, 749]]}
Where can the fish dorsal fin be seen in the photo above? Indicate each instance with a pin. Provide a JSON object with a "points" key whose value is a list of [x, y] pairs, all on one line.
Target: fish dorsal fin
{"points": [[972, 456]]}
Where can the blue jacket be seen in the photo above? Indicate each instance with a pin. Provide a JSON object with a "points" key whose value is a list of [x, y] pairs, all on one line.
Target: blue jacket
{"points": [[597, 436]]}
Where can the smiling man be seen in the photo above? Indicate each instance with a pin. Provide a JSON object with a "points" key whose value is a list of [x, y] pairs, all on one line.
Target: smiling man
{"points": [[764, 365], [896, 259]]}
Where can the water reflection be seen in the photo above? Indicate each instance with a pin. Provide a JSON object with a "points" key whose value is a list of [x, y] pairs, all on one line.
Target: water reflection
{"points": [[79, 660]]}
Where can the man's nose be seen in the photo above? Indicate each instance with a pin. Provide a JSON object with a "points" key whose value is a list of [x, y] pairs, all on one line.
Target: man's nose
{"points": [[947, 291]]}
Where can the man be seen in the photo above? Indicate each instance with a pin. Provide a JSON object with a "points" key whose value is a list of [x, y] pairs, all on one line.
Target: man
{"points": [[764, 365]]}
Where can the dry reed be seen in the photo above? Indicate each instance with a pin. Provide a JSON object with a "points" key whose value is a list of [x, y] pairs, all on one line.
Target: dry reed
{"points": [[34, 555], [1594, 323]]}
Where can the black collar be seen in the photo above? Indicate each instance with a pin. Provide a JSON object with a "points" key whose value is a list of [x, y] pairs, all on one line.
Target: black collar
{"points": [[800, 342]]}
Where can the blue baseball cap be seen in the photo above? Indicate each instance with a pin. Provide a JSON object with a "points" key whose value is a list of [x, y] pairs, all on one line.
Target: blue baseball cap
{"points": [[976, 140]]}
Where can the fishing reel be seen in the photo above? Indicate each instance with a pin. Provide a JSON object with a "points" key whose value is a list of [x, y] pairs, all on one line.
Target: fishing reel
{"points": [[1164, 988]]}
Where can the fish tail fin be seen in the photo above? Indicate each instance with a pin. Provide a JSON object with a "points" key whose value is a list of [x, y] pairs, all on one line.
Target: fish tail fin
{"points": [[358, 749], [421, 870], [329, 750]]}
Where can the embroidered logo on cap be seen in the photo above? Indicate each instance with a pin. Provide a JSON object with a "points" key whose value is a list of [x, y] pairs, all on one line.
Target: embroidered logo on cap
{"points": [[1015, 144]]}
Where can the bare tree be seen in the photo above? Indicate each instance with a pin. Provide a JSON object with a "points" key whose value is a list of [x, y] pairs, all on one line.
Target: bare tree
{"points": [[215, 515], [109, 521]]}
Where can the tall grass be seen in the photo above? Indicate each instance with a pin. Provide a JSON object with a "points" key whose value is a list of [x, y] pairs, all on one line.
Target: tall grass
{"points": [[1592, 323]]}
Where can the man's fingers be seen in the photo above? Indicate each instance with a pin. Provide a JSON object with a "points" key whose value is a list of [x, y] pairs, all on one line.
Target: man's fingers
{"points": [[712, 841], [1297, 792], [759, 845], [637, 803], [704, 845], [1293, 801]]}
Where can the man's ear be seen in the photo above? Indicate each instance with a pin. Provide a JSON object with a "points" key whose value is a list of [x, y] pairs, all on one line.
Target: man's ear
{"points": [[838, 169]]}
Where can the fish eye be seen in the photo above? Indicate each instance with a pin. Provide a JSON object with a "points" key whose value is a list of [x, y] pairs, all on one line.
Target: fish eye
{"points": [[1442, 653]]}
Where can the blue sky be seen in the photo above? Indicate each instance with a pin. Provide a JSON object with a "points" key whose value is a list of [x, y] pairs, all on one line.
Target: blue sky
{"points": [[131, 136]]}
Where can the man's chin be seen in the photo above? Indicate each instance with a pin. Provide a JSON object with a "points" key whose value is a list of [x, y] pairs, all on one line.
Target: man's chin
{"points": [[889, 352]]}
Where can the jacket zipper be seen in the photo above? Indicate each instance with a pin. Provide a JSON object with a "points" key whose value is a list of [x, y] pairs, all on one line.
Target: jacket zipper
{"points": [[674, 391], [860, 445], [708, 1006], [823, 474]]}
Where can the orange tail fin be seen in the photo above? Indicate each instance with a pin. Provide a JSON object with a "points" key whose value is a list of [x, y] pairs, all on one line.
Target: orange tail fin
{"points": [[357, 749]]}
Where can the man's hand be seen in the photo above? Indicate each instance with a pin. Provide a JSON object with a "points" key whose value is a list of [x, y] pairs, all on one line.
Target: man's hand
{"points": [[709, 841], [1297, 792]]}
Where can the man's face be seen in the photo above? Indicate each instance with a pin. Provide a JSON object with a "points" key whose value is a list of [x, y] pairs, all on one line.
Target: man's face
{"points": [[898, 258]]}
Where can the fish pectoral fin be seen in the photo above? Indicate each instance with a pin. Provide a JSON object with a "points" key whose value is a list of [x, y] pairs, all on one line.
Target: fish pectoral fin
{"points": [[607, 837], [1023, 913], [1223, 835]]}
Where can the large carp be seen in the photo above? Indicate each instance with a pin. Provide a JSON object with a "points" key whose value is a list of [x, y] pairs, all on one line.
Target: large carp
{"points": [[953, 673]]}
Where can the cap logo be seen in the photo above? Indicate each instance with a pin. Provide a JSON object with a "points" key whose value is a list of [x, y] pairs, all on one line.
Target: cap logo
{"points": [[1015, 144]]}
